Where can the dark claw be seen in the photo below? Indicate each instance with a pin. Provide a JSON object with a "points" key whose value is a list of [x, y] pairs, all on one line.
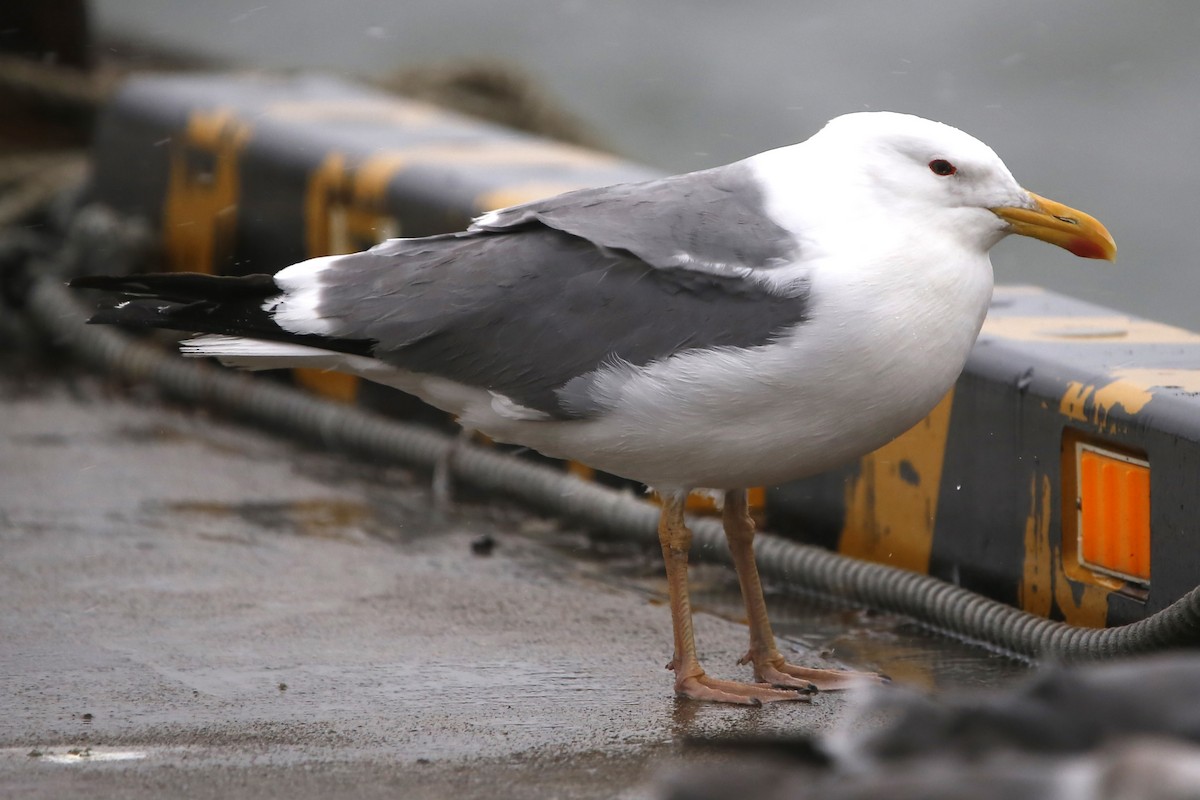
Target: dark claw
{"points": [[811, 688]]}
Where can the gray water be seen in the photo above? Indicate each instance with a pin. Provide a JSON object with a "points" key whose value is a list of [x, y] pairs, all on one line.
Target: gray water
{"points": [[1092, 103]]}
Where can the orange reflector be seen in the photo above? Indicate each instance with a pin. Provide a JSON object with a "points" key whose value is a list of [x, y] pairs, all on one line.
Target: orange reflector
{"points": [[1114, 512]]}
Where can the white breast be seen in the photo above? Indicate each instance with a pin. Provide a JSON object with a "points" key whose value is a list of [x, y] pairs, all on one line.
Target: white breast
{"points": [[882, 347]]}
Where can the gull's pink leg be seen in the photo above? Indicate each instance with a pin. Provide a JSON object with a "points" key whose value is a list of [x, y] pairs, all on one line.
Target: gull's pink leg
{"points": [[769, 664], [690, 680]]}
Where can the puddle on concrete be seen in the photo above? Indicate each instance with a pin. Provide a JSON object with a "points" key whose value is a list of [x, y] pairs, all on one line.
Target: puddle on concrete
{"points": [[890, 643], [92, 755], [42, 440], [824, 633], [817, 631], [147, 434], [320, 519], [821, 632]]}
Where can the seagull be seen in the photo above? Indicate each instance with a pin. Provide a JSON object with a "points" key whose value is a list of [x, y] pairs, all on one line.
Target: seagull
{"points": [[739, 326]]}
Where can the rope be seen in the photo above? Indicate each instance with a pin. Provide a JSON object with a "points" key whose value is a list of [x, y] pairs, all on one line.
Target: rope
{"points": [[43, 180]]}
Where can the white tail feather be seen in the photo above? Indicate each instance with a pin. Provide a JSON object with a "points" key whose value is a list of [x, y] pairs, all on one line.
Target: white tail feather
{"points": [[256, 354], [238, 351], [297, 309]]}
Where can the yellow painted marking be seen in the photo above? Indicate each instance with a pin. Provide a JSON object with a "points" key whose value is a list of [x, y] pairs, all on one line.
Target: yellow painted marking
{"points": [[321, 222], [1090, 610], [345, 208], [340, 218], [1043, 570], [1101, 330], [1035, 593], [1073, 400], [1131, 391], [372, 176], [200, 212], [1128, 395], [524, 193], [346, 204], [890, 519]]}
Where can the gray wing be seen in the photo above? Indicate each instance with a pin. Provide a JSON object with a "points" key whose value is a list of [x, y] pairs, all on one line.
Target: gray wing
{"points": [[533, 300], [710, 221]]}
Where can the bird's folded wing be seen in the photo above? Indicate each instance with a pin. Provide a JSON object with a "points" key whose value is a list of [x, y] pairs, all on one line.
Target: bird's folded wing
{"points": [[525, 312], [712, 221]]}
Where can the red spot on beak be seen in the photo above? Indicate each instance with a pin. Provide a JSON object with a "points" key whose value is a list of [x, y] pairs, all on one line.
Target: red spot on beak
{"points": [[1087, 248]]}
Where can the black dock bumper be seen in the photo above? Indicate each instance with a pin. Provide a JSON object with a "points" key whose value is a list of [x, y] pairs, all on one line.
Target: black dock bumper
{"points": [[1061, 474]]}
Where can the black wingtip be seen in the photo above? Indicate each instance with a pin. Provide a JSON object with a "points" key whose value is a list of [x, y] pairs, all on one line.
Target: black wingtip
{"points": [[182, 286], [104, 282], [143, 313]]}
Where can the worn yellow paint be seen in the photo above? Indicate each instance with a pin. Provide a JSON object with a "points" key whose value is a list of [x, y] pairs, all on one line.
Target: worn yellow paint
{"points": [[1043, 581], [523, 193], [1035, 593], [1130, 394], [325, 186], [1090, 610], [346, 203], [346, 208], [1073, 400], [372, 176], [200, 212], [1121, 392], [1101, 330], [341, 218], [889, 519]]}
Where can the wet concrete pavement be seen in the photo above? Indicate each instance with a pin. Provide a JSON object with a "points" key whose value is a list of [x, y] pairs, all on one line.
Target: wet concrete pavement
{"points": [[191, 607]]}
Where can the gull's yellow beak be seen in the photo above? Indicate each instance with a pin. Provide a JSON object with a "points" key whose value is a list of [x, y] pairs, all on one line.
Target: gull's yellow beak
{"points": [[1062, 225]]}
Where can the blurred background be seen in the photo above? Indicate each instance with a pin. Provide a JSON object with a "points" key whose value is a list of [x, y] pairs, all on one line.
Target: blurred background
{"points": [[1095, 103], [1091, 102]]}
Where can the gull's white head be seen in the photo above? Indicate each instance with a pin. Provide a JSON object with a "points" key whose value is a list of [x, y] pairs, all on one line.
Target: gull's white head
{"points": [[908, 168]]}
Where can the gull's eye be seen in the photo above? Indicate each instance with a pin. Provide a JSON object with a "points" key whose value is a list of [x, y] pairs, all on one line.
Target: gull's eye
{"points": [[941, 166]]}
